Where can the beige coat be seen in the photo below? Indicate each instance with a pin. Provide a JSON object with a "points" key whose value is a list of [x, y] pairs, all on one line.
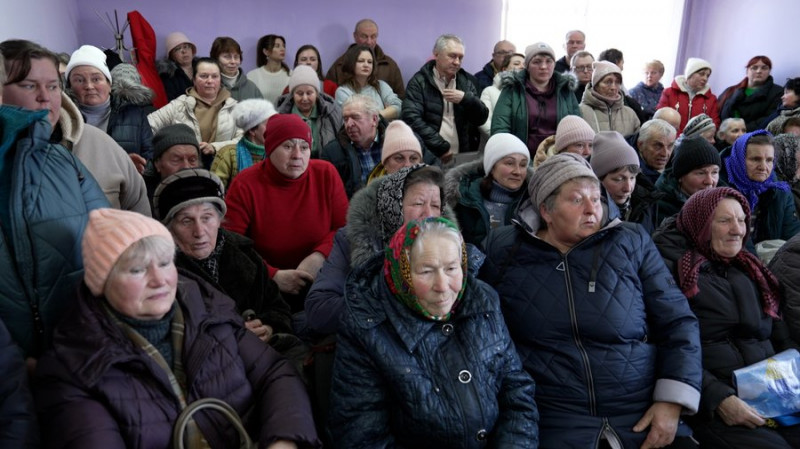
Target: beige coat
{"points": [[604, 117], [106, 160], [181, 110]]}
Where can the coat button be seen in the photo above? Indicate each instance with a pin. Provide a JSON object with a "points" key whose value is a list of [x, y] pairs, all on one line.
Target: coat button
{"points": [[481, 435], [464, 376], [448, 329]]}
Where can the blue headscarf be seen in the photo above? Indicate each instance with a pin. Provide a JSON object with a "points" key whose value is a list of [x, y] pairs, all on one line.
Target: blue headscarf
{"points": [[737, 171]]}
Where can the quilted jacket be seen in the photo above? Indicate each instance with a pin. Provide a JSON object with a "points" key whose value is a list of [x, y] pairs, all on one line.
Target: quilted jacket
{"points": [[98, 389], [401, 381], [603, 329]]}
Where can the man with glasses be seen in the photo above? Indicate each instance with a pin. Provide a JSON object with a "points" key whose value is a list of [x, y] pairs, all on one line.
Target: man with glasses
{"points": [[574, 42], [581, 67], [442, 104], [486, 75]]}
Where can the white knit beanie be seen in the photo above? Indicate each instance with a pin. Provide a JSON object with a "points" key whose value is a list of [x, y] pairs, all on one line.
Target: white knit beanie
{"points": [[501, 145], [301, 75], [572, 129], [247, 114], [695, 65], [91, 56]]}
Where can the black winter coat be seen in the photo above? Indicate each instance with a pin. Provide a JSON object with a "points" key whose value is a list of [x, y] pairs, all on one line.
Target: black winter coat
{"points": [[734, 330], [401, 381], [754, 109], [17, 415], [423, 110]]}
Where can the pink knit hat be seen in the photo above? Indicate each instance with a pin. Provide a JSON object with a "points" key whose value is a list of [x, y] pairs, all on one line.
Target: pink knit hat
{"points": [[399, 137], [601, 69], [109, 233], [177, 38], [572, 129]]}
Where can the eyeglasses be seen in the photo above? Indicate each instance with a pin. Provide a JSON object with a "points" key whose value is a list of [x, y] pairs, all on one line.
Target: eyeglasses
{"points": [[502, 52], [583, 68]]}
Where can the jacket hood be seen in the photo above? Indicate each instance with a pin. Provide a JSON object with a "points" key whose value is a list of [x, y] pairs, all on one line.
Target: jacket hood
{"points": [[594, 102], [463, 173], [70, 120], [498, 79], [127, 89]]}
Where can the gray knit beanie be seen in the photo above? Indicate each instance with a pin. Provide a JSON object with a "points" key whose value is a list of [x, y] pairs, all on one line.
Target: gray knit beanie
{"points": [[169, 136], [610, 151], [698, 125], [554, 172]]}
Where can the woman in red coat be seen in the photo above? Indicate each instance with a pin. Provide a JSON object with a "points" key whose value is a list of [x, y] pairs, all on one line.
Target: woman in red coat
{"points": [[690, 93]]}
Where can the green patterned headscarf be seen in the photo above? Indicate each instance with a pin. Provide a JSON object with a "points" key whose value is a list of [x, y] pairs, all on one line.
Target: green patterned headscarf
{"points": [[397, 267]]}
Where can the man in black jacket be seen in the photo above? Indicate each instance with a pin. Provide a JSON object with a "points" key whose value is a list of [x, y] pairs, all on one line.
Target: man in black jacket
{"points": [[442, 104]]}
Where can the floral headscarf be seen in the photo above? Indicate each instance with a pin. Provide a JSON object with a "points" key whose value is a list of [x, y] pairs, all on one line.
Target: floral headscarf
{"points": [[694, 221], [397, 267], [737, 171]]}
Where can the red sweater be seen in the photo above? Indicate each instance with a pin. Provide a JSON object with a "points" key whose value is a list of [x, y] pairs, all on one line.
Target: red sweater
{"points": [[288, 219]]}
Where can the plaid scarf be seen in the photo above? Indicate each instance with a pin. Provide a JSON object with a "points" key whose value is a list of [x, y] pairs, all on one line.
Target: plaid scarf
{"points": [[397, 267], [694, 221]]}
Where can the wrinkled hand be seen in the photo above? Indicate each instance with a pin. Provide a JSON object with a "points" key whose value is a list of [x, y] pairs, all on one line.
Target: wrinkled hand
{"points": [[207, 148], [138, 161], [662, 418], [262, 331], [283, 444], [735, 412], [446, 158], [292, 281], [453, 95]]}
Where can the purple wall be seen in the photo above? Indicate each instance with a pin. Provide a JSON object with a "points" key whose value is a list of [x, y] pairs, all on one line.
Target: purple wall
{"points": [[52, 23], [728, 33], [405, 34]]}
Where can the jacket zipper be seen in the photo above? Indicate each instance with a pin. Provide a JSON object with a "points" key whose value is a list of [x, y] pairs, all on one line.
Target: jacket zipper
{"points": [[577, 339]]}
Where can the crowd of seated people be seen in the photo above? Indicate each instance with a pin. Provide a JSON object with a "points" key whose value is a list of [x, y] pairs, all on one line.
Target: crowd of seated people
{"points": [[528, 256]]}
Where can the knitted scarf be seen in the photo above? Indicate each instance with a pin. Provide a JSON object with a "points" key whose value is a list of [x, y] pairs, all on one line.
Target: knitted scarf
{"points": [[389, 201], [694, 222], [245, 150], [737, 171], [397, 267]]}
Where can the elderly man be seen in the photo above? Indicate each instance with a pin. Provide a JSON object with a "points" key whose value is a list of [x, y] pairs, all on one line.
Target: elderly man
{"points": [[574, 42], [486, 76], [581, 67], [366, 33], [442, 104], [175, 147], [670, 115], [655, 144]]}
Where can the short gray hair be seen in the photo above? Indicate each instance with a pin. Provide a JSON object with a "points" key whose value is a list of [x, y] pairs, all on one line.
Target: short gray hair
{"points": [[566, 36], [367, 104], [656, 128], [579, 54], [726, 124], [443, 40]]}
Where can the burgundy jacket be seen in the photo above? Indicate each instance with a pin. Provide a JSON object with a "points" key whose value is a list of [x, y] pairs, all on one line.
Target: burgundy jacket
{"points": [[95, 388]]}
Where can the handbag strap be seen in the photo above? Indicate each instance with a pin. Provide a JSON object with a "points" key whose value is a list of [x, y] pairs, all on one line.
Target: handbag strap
{"points": [[211, 404]]}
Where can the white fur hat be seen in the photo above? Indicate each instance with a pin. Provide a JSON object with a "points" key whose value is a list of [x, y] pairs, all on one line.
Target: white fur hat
{"points": [[501, 145], [91, 56], [250, 113], [695, 65]]}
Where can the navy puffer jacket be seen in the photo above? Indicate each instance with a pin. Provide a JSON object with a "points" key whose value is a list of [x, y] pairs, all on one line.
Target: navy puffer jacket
{"points": [[603, 329], [99, 389], [401, 381]]}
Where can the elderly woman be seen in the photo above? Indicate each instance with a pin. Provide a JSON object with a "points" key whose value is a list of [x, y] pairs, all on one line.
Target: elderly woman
{"points": [[690, 93], [749, 169], [695, 166], [788, 109], [615, 350], [309, 55], [228, 54], [206, 108], [603, 105], [736, 300], [271, 73], [394, 381], [701, 126], [289, 205], [401, 148], [191, 204], [573, 135], [786, 163], [548, 95], [729, 130], [177, 69], [359, 77], [118, 107], [144, 342], [316, 108], [755, 97], [251, 117], [485, 194], [648, 92]]}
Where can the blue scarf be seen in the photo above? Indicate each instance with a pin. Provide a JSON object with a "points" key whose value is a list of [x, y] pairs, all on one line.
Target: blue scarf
{"points": [[737, 172], [244, 157]]}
